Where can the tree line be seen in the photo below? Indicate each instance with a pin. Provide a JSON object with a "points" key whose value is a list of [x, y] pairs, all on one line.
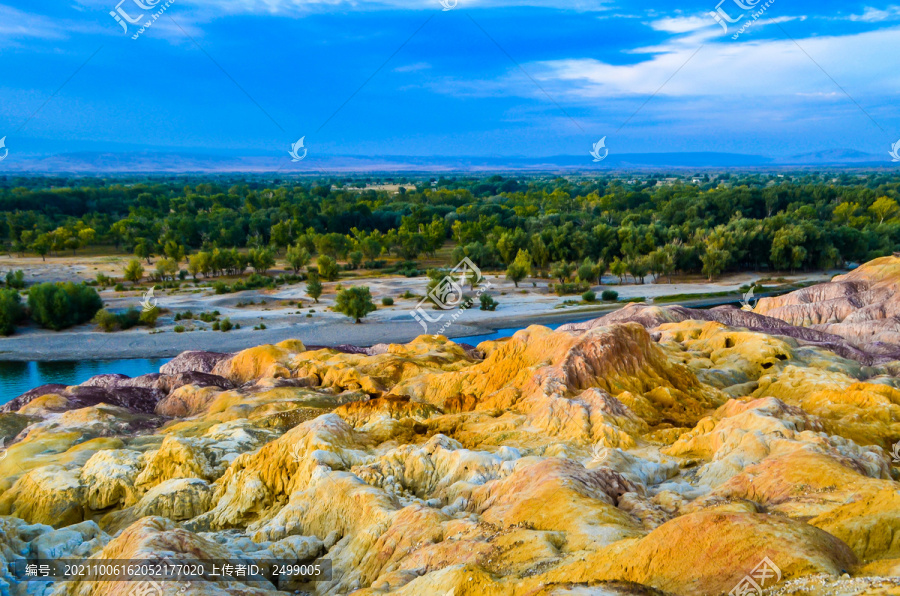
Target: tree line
{"points": [[631, 229]]}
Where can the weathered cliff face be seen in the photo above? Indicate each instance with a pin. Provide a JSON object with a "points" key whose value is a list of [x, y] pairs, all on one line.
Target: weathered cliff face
{"points": [[862, 306], [654, 451]]}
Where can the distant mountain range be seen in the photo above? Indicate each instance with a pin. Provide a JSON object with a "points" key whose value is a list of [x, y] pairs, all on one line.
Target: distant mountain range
{"points": [[176, 162]]}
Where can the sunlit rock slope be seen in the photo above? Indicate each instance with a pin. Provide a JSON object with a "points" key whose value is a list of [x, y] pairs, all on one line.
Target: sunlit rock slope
{"points": [[657, 450]]}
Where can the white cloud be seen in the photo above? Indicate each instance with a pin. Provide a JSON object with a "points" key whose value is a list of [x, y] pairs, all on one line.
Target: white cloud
{"points": [[304, 6], [874, 15], [413, 67], [15, 24], [682, 24], [744, 69]]}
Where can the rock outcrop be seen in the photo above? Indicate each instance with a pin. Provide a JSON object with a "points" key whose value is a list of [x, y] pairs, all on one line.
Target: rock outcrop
{"points": [[656, 450]]}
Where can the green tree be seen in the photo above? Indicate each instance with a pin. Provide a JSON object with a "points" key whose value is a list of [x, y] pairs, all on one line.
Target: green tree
{"points": [[884, 208], [562, 271], [15, 279], [11, 311], [298, 257], [144, 250], [619, 268], [587, 271], [61, 305], [662, 262], [328, 268], [174, 251], [42, 246], [355, 302], [520, 268], [356, 258], [314, 286], [262, 259], [133, 271], [540, 253], [714, 261], [166, 268]]}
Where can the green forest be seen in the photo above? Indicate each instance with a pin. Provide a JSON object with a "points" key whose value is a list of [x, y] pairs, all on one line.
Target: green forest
{"points": [[630, 225]]}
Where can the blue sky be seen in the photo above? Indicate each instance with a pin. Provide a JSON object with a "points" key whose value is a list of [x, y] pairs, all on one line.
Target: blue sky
{"points": [[459, 86]]}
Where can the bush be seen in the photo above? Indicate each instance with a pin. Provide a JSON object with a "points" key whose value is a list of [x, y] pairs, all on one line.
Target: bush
{"points": [[15, 280], [216, 326], [11, 311], [566, 288], [221, 288], [132, 317], [355, 302], [609, 295], [119, 288], [60, 305], [589, 296], [179, 329], [487, 303], [106, 320], [387, 301], [148, 317], [226, 325], [328, 268]]}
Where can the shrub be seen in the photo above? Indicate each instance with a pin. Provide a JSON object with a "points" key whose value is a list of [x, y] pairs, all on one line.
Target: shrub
{"points": [[106, 320], [60, 305], [407, 294], [15, 280], [221, 288], [134, 271], [119, 288], [609, 295], [314, 287], [487, 302], [355, 302], [328, 268], [148, 317], [226, 325], [216, 326], [565, 288], [11, 311], [589, 296], [179, 329], [387, 301]]}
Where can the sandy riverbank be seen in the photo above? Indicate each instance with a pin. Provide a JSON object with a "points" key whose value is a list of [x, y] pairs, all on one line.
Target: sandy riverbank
{"points": [[288, 313]]}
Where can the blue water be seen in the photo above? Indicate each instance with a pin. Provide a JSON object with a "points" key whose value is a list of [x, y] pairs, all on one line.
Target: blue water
{"points": [[18, 377], [474, 340]]}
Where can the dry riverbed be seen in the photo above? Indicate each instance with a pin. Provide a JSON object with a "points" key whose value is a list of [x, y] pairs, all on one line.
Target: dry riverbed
{"points": [[289, 313]]}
